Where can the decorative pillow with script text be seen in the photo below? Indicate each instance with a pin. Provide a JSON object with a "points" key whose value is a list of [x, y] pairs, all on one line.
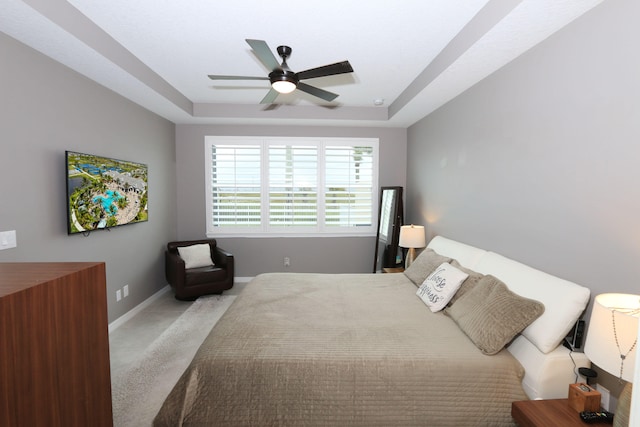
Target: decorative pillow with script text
{"points": [[440, 286]]}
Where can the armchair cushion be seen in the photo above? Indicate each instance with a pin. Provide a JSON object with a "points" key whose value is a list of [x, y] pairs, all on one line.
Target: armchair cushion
{"points": [[196, 256], [200, 275]]}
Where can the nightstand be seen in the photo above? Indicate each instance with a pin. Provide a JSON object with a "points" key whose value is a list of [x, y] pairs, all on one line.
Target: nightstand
{"points": [[545, 413], [393, 270]]}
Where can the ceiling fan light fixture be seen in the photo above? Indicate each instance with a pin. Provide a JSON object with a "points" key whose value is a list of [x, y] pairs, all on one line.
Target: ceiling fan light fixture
{"points": [[283, 86], [283, 80]]}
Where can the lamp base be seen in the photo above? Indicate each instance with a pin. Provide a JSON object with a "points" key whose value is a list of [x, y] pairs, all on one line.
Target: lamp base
{"points": [[623, 410], [411, 256]]}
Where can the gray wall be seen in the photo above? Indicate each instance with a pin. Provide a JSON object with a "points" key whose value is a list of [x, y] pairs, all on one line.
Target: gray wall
{"points": [[259, 255], [47, 109], [539, 162]]}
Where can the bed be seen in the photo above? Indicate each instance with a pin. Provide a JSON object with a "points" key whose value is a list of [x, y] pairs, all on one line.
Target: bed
{"points": [[299, 349]]}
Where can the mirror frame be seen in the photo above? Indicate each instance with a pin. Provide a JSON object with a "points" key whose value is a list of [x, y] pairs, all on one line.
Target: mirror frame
{"points": [[390, 216]]}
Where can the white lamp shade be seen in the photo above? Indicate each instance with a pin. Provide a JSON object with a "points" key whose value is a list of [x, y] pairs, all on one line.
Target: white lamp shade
{"points": [[601, 347], [283, 86], [412, 236]]}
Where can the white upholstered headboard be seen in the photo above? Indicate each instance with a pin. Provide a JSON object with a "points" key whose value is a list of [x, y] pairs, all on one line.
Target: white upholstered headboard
{"points": [[549, 366]]}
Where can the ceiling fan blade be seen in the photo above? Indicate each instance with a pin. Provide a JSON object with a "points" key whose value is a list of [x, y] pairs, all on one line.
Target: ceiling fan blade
{"points": [[327, 70], [270, 97], [263, 53], [316, 91], [215, 77]]}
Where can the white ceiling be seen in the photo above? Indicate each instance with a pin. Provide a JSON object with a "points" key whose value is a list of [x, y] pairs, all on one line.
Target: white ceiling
{"points": [[414, 54]]}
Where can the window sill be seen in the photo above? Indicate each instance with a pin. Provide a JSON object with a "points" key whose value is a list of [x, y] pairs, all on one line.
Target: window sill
{"points": [[284, 235]]}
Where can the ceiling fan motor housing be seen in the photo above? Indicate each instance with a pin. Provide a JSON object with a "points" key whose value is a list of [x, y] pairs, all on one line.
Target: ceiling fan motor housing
{"points": [[281, 75]]}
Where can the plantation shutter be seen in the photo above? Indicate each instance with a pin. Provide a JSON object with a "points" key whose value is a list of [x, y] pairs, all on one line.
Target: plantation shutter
{"points": [[293, 186], [290, 186], [235, 185], [349, 181]]}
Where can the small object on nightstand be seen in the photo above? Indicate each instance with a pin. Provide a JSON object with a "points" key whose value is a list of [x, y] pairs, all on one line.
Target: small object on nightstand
{"points": [[583, 397], [588, 373], [590, 417]]}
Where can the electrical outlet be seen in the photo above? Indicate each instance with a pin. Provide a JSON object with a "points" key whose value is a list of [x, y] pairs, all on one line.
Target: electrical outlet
{"points": [[287, 261], [605, 397], [125, 291], [8, 239], [118, 295]]}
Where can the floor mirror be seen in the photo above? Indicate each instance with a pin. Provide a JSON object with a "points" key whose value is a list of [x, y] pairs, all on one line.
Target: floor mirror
{"points": [[390, 218]]}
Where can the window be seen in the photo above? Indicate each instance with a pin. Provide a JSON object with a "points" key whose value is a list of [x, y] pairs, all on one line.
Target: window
{"points": [[291, 186]]}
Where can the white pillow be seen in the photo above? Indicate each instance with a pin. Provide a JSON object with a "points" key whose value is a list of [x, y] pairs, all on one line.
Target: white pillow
{"points": [[440, 286], [195, 256], [468, 256]]}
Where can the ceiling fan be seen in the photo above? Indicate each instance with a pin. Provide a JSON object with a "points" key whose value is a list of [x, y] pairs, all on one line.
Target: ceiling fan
{"points": [[282, 79]]}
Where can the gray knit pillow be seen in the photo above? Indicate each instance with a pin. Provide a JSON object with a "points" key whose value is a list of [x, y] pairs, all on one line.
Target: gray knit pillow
{"points": [[424, 265], [491, 315], [468, 284]]}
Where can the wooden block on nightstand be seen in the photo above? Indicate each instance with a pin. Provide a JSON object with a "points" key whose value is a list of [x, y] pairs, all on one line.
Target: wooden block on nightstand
{"points": [[584, 398]]}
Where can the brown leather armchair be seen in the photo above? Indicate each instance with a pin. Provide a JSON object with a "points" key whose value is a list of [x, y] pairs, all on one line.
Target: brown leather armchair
{"points": [[189, 284]]}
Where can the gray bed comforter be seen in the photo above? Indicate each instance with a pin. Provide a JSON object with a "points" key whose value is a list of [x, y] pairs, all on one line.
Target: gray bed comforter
{"points": [[340, 350]]}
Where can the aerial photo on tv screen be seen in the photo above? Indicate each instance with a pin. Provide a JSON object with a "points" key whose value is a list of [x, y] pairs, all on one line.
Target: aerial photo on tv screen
{"points": [[104, 192]]}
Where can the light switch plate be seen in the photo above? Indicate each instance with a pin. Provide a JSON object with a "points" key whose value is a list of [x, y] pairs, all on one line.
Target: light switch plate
{"points": [[8, 239]]}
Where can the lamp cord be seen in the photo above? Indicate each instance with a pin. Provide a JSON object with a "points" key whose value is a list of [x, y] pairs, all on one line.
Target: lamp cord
{"points": [[575, 367], [615, 335]]}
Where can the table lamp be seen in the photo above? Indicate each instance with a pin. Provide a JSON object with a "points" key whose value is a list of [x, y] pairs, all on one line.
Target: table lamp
{"points": [[411, 237], [612, 341]]}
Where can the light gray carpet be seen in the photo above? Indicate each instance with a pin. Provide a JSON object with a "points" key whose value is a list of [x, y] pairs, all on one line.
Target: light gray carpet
{"points": [[139, 391]]}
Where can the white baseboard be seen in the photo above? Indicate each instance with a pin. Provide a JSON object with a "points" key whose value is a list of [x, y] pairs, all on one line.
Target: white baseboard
{"points": [[137, 309], [242, 279]]}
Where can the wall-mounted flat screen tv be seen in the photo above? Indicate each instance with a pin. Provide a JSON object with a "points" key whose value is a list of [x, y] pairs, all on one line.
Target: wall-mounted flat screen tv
{"points": [[103, 192]]}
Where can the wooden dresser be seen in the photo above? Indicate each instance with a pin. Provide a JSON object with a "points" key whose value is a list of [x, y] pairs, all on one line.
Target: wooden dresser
{"points": [[54, 345]]}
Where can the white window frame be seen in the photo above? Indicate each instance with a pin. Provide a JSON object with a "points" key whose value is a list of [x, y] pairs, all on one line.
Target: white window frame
{"points": [[264, 230]]}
